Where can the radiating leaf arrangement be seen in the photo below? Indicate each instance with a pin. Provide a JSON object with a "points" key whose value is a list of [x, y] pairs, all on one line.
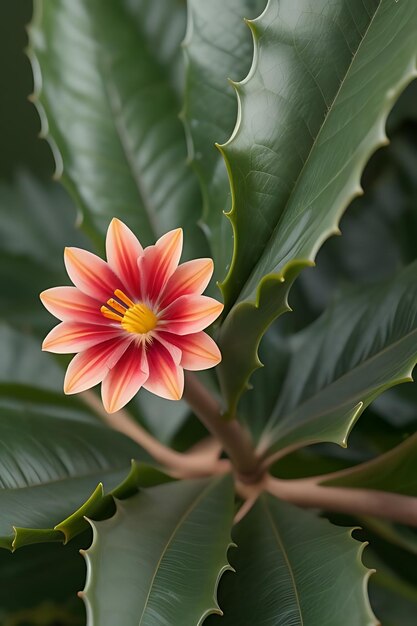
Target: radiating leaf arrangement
{"points": [[248, 124]]}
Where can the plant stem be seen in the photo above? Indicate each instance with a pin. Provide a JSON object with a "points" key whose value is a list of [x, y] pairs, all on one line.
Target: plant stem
{"points": [[234, 439], [178, 464], [307, 493]]}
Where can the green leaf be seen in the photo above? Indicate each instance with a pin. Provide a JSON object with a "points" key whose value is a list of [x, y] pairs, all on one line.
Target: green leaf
{"points": [[312, 111], [363, 344], [294, 568], [37, 221], [105, 81], [379, 230], [170, 543], [31, 380], [23, 361], [55, 471], [217, 47], [394, 471], [256, 406]]}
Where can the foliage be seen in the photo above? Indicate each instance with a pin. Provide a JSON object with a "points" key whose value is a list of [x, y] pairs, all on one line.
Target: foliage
{"points": [[132, 98]]}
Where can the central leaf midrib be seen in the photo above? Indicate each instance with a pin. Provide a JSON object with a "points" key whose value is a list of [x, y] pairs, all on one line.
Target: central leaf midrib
{"points": [[118, 124], [286, 558], [184, 516], [287, 418], [246, 285]]}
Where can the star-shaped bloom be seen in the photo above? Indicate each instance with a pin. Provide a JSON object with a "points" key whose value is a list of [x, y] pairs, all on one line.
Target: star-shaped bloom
{"points": [[136, 320]]}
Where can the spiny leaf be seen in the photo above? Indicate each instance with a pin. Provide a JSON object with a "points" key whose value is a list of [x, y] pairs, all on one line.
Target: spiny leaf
{"points": [[53, 472], [363, 344], [312, 110], [217, 47], [293, 568], [170, 543]]}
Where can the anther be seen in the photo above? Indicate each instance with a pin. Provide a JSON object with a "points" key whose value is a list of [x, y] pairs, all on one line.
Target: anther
{"points": [[116, 306], [111, 315], [123, 297]]}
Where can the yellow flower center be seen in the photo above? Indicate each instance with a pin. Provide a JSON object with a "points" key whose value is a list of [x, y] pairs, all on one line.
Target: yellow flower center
{"points": [[134, 317], [139, 319]]}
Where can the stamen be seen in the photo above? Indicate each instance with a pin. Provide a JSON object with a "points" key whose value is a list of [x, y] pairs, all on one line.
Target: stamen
{"points": [[111, 315], [116, 306], [123, 297], [135, 317]]}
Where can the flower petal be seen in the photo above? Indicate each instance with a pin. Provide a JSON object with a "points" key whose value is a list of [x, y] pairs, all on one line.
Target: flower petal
{"points": [[90, 274], [125, 379], [158, 263], [70, 337], [191, 277], [175, 352], [189, 314], [88, 368], [199, 351], [123, 250], [165, 378], [70, 304]]}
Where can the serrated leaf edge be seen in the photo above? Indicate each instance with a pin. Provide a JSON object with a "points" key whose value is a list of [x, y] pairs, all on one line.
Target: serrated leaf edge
{"points": [[96, 500], [264, 444], [366, 573], [288, 275], [361, 545], [216, 610], [83, 595], [35, 96], [380, 139]]}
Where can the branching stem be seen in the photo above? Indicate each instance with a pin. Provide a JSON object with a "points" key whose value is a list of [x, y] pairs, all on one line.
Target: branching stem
{"points": [[204, 461], [234, 439], [194, 464], [306, 492]]}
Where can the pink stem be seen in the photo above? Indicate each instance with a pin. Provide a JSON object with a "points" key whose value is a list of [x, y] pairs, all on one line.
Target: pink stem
{"points": [[178, 464], [307, 493], [234, 439]]}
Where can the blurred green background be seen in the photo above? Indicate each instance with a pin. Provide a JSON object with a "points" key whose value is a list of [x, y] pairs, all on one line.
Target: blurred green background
{"points": [[19, 121]]}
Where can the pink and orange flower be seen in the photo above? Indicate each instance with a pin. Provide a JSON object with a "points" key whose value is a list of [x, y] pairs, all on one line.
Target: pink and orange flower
{"points": [[136, 320]]}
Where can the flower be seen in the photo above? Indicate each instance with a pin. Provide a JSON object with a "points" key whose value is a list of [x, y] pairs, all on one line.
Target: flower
{"points": [[135, 320]]}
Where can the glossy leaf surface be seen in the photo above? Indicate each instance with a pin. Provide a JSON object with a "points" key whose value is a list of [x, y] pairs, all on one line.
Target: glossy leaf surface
{"points": [[170, 543], [293, 568], [218, 47], [363, 344], [119, 137], [53, 469], [312, 111]]}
